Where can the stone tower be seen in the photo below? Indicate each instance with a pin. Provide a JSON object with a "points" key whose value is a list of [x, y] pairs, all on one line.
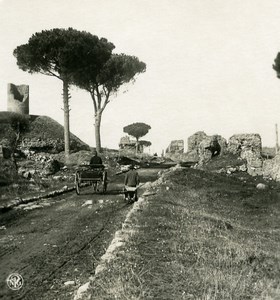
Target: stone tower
{"points": [[18, 98]]}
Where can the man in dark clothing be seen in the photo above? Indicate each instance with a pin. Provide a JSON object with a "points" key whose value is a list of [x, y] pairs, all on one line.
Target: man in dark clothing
{"points": [[97, 167], [131, 180], [95, 160]]}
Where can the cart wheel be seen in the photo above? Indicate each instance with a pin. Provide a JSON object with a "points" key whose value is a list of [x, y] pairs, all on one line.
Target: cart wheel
{"points": [[104, 187], [94, 185], [129, 199], [124, 195], [104, 181], [77, 183]]}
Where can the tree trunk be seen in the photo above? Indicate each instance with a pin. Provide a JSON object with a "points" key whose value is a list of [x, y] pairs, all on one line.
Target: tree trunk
{"points": [[98, 116], [66, 120], [14, 148], [276, 145], [136, 145]]}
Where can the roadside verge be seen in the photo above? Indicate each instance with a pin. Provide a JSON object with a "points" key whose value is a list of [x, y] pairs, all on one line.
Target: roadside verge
{"points": [[18, 201], [202, 236], [130, 228]]}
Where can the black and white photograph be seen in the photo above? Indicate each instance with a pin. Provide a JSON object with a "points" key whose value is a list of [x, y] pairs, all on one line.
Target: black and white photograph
{"points": [[139, 150]]}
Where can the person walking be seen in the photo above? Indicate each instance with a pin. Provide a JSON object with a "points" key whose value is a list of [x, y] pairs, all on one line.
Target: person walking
{"points": [[131, 180]]}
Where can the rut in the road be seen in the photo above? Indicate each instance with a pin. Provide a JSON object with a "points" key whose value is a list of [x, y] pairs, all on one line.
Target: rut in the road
{"points": [[119, 239], [87, 243], [74, 254]]}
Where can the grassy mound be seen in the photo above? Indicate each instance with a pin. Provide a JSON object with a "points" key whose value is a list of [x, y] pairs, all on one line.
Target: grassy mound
{"points": [[42, 128], [206, 236]]}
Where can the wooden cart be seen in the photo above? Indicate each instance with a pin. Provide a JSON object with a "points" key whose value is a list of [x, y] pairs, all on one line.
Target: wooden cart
{"points": [[96, 175]]}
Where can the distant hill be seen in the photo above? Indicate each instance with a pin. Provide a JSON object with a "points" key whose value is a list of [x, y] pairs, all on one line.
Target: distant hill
{"points": [[45, 134]]}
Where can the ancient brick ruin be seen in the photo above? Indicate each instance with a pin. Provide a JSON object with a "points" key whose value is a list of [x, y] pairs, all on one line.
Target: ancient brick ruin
{"points": [[175, 147], [18, 98], [128, 144]]}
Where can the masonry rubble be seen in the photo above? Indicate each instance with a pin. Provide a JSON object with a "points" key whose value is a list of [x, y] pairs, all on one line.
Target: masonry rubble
{"points": [[271, 168], [202, 147], [239, 143], [208, 148], [176, 146], [249, 147]]}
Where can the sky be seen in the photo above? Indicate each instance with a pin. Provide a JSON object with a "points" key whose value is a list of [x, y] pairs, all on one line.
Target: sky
{"points": [[209, 65]]}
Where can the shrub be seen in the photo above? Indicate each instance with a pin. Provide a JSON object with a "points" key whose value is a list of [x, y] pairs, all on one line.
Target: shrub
{"points": [[8, 172]]}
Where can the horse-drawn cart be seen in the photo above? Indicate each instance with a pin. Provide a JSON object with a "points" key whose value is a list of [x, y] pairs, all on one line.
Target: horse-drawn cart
{"points": [[96, 175]]}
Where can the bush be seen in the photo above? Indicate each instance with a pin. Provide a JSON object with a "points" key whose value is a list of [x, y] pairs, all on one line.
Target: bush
{"points": [[8, 172]]}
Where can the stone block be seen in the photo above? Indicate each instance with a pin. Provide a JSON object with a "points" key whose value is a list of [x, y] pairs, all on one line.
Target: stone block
{"points": [[176, 146], [18, 98], [239, 143]]}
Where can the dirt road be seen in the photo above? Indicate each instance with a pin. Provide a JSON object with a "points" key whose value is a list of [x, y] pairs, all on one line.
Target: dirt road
{"points": [[55, 244]]}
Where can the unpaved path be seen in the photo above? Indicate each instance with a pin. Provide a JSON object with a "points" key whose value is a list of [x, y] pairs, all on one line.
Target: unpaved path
{"points": [[59, 240]]}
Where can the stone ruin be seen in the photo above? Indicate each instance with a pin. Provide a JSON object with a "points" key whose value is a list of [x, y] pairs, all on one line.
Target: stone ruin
{"points": [[271, 168], [128, 144], [18, 102], [249, 148], [195, 139], [175, 147], [201, 147], [125, 142], [175, 150], [240, 143], [18, 98]]}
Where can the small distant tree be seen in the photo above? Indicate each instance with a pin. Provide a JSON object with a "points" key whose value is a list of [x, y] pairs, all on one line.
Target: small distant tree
{"points": [[18, 125], [145, 143], [137, 130]]}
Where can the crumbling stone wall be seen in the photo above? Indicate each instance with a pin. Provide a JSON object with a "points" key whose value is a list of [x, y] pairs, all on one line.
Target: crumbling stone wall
{"points": [[129, 145], [211, 146], [239, 143], [271, 168], [195, 139], [249, 147], [202, 147], [18, 98], [175, 147]]}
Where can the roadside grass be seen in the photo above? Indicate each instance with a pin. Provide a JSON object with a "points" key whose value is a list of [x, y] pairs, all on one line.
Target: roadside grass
{"points": [[208, 236]]}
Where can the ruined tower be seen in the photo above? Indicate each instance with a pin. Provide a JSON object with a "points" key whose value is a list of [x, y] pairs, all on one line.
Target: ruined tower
{"points": [[18, 98]]}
